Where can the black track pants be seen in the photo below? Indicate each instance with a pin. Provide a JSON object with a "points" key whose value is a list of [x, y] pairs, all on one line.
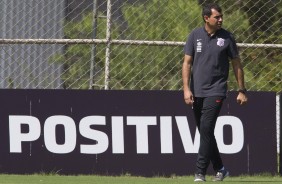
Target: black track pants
{"points": [[206, 111]]}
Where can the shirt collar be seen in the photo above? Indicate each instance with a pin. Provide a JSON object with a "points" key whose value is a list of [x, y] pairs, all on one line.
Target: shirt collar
{"points": [[211, 36]]}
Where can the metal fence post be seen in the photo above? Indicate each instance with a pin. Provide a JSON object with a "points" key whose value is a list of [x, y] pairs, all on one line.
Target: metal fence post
{"points": [[108, 49], [93, 53]]}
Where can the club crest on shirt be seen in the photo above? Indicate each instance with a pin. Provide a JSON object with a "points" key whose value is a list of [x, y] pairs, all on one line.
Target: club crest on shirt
{"points": [[220, 42]]}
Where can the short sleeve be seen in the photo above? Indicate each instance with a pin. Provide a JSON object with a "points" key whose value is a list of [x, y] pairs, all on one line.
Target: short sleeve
{"points": [[189, 46], [233, 49]]}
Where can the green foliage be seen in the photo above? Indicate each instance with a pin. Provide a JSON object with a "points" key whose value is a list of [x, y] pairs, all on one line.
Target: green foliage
{"points": [[257, 22], [264, 66], [265, 63], [134, 67], [154, 67], [159, 67], [162, 20], [77, 57], [237, 23]]}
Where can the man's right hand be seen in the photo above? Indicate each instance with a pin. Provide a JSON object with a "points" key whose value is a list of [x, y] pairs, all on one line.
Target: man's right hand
{"points": [[188, 97]]}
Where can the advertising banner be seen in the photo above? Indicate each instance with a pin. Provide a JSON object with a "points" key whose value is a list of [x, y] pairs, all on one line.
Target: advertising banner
{"points": [[144, 133]]}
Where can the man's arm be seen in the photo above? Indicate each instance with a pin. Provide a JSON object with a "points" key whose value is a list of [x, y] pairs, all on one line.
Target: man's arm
{"points": [[239, 74], [186, 75]]}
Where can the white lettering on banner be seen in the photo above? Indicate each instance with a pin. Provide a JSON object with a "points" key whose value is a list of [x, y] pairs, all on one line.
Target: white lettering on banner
{"points": [[117, 135], [142, 124], [101, 144], [50, 134], [166, 134], [185, 135], [100, 137], [237, 130], [16, 135]]}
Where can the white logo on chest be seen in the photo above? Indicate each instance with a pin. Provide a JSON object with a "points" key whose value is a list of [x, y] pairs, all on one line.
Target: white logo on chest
{"points": [[220, 42]]}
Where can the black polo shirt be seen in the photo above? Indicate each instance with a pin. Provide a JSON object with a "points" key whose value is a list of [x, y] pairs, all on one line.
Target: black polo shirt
{"points": [[211, 56]]}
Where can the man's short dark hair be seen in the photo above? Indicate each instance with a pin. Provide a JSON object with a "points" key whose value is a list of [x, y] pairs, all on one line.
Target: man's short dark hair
{"points": [[207, 9]]}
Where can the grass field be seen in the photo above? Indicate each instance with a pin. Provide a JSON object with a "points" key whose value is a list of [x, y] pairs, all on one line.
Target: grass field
{"points": [[92, 179]]}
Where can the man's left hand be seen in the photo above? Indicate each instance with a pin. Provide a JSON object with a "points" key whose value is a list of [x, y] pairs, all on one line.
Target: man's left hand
{"points": [[242, 98]]}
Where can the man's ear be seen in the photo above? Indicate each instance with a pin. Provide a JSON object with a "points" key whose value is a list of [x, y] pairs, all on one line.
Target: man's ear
{"points": [[206, 18]]}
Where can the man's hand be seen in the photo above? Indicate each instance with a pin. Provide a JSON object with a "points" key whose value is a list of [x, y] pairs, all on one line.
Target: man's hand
{"points": [[242, 98], [188, 97]]}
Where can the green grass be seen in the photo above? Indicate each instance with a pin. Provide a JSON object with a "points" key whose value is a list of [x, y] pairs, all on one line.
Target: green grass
{"points": [[93, 179]]}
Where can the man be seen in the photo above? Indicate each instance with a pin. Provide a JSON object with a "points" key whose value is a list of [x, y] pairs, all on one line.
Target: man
{"points": [[204, 72]]}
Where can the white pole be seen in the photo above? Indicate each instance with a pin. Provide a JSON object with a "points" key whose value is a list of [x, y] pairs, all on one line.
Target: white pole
{"points": [[93, 50], [108, 49]]}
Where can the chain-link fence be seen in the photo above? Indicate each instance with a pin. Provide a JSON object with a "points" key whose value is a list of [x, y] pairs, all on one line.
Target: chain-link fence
{"points": [[128, 44]]}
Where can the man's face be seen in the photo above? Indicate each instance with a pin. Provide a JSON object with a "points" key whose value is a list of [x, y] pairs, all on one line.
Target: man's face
{"points": [[215, 20]]}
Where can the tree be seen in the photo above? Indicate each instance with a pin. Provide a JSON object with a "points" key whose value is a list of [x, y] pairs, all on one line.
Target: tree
{"points": [[159, 67], [153, 67]]}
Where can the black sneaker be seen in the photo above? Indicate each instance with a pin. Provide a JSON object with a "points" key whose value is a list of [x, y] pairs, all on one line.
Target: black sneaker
{"points": [[220, 175], [199, 178]]}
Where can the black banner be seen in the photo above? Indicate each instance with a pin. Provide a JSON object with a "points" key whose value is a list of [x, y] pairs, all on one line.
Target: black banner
{"points": [[139, 132]]}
